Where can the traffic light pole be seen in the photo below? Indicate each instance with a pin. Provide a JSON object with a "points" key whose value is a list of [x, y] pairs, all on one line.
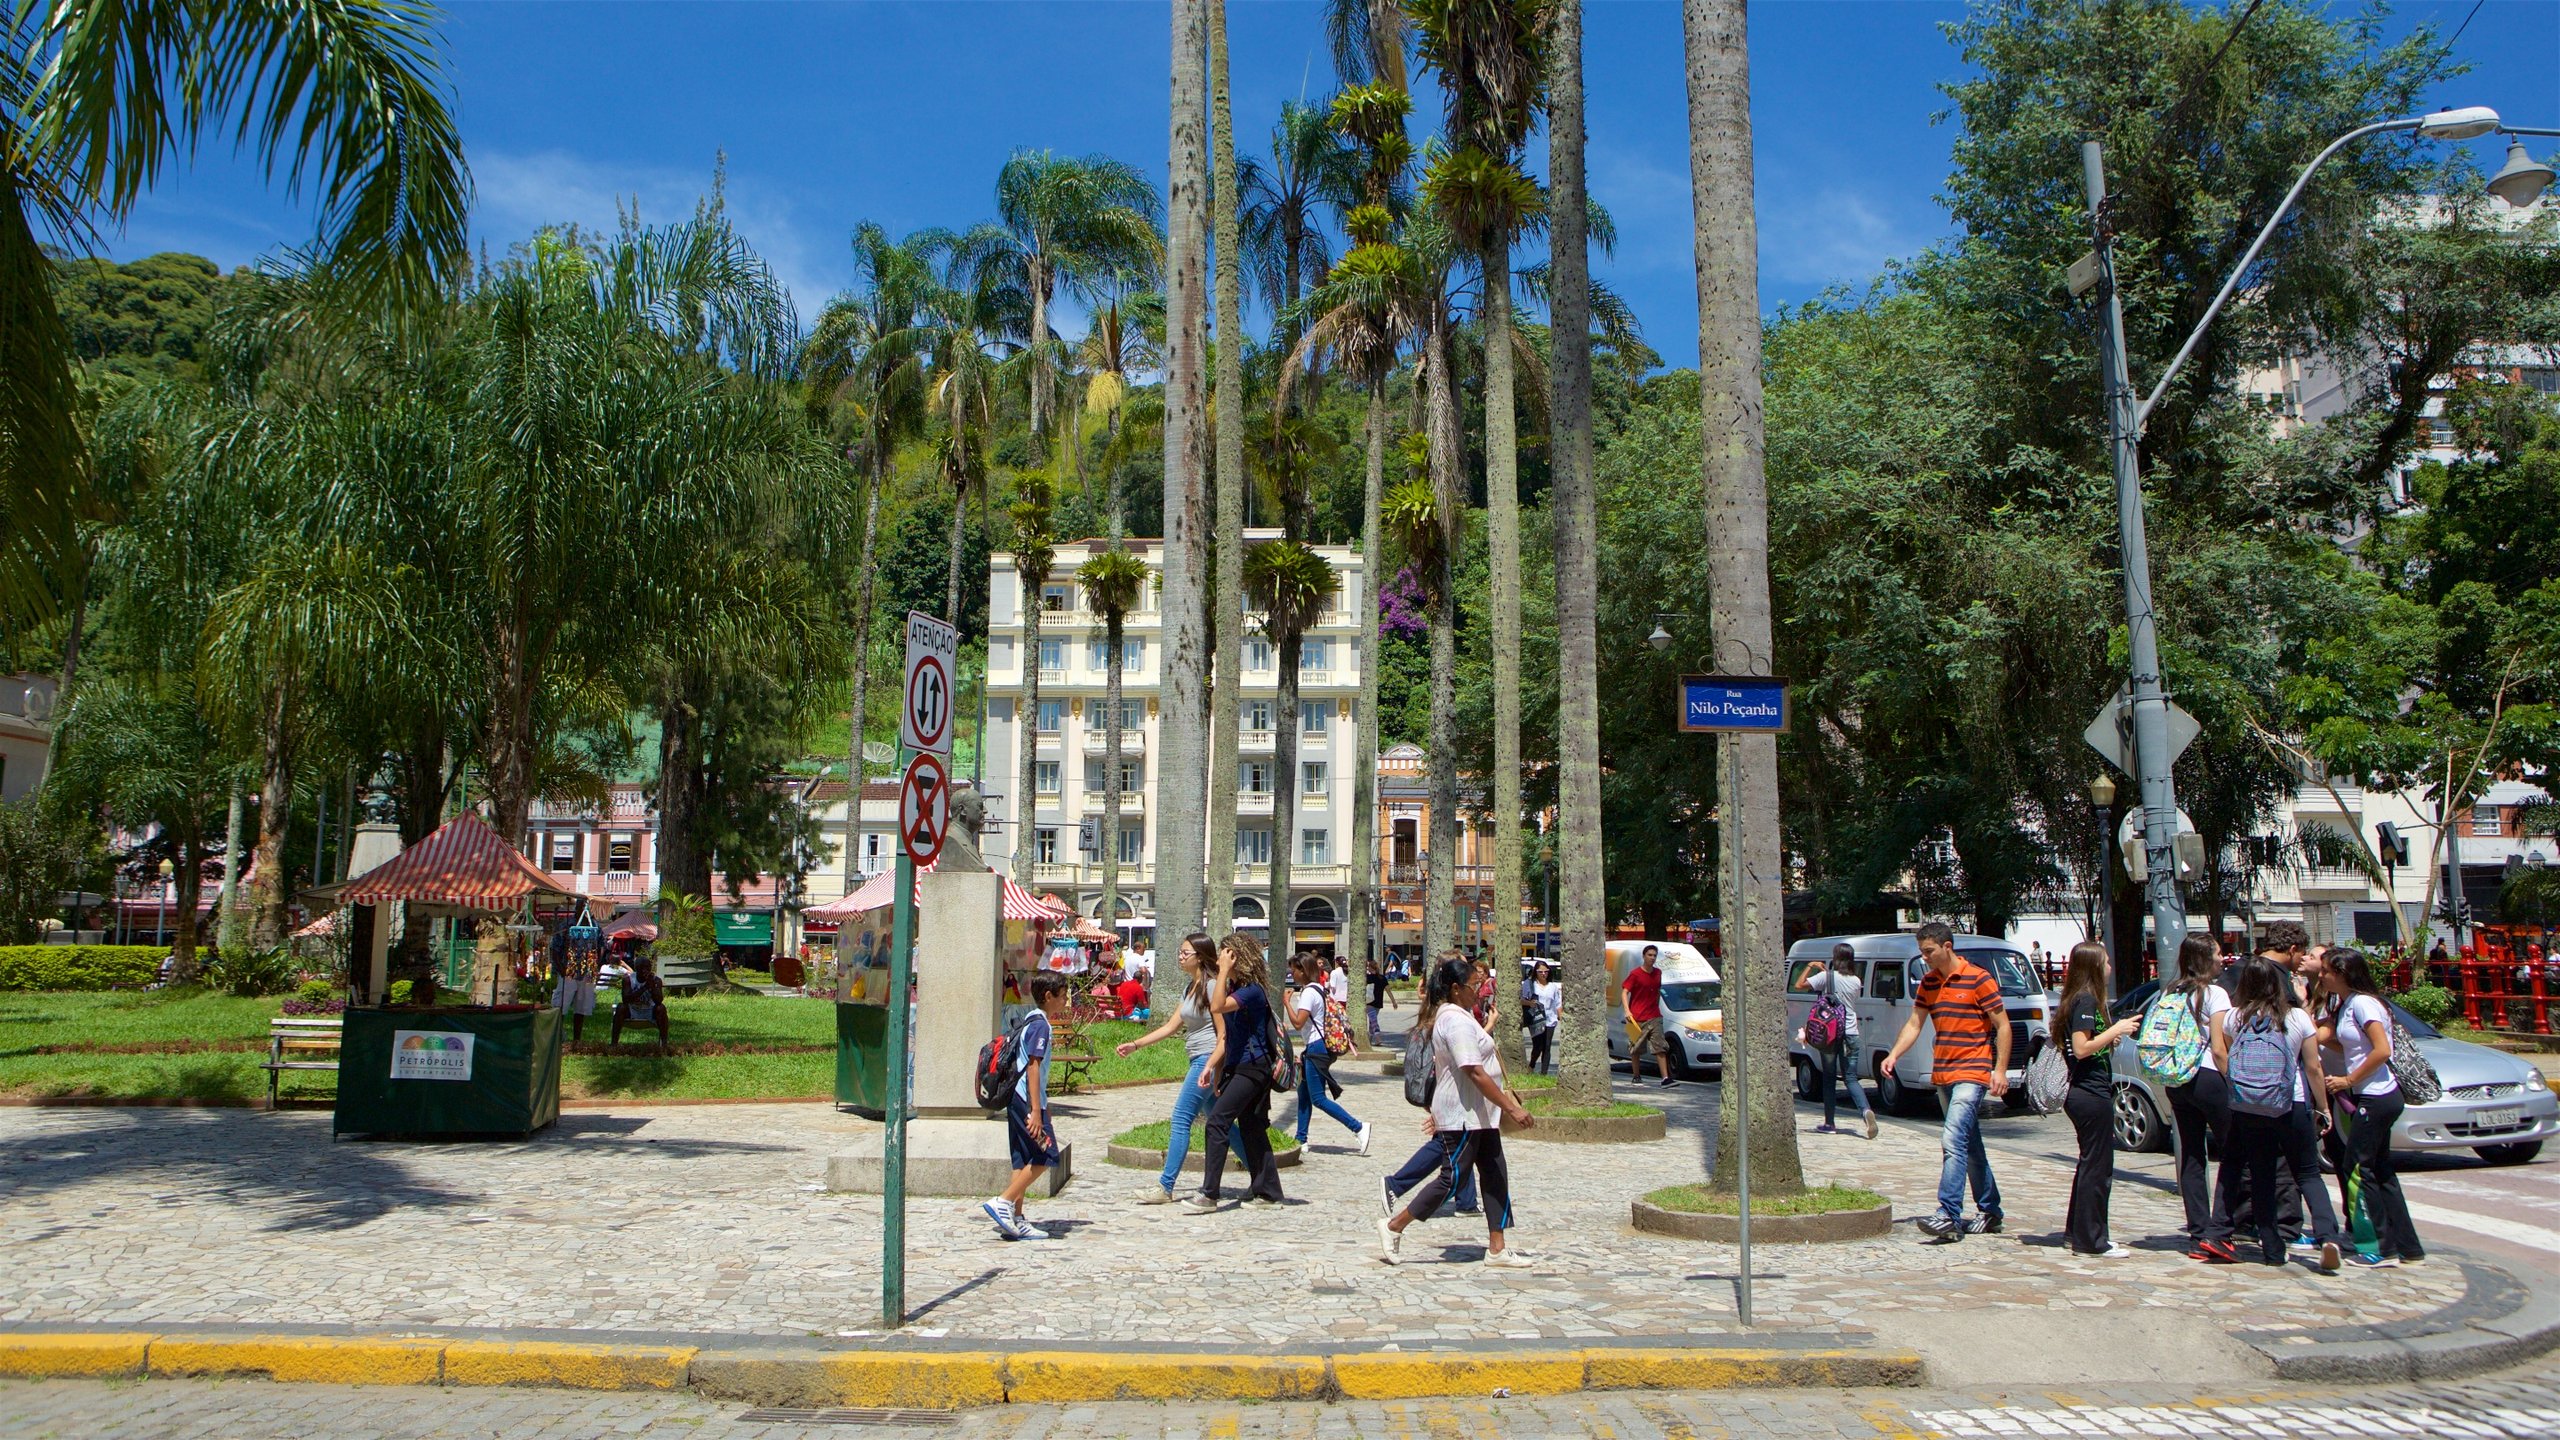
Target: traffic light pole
{"points": [[2151, 750]]}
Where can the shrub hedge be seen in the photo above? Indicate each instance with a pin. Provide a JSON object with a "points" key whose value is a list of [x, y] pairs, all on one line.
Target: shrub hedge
{"points": [[79, 967]]}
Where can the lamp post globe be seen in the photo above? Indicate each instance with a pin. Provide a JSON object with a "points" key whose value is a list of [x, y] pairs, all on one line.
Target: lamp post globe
{"points": [[2522, 179]]}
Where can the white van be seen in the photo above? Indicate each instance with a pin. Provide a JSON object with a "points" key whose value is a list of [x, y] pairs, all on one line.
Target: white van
{"points": [[1889, 968], [1692, 1004]]}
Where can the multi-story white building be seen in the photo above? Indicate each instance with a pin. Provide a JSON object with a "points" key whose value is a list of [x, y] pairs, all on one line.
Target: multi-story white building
{"points": [[1069, 728]]}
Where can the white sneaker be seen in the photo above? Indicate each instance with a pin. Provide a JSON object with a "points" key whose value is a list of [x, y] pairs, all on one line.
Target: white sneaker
{"points": [[1156, 1195], [1390, 1243], [1508, 1260], [2115, 1252], [1000, 1211], [1364, 1139], [1199, 1204], [1029, 1232]]}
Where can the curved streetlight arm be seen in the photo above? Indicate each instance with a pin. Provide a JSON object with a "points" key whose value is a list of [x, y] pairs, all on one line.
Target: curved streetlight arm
{"points": [[2142, 413]]}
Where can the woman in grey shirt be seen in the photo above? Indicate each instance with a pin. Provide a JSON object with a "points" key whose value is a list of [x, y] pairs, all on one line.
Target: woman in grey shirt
{"points": [[1199, 960]]}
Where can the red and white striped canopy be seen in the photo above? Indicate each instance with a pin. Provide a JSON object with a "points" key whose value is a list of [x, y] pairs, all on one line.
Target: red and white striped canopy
{"points": [[465, 865], [882, 889]]}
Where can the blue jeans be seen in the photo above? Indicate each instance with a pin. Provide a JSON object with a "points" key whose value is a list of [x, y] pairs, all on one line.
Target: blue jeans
{"points": [[1189, 1104], [1840, 1067], [1963, 1158], [1313, 1067]]}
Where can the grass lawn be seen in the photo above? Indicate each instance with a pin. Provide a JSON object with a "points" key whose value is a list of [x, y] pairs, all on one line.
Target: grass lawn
{"points": [[1160, 1134], [1613, 1110], [1822, 1200]]}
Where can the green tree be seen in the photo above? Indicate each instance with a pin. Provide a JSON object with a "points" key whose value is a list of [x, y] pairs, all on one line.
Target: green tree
{"points": [[1065, 221], [1113, 581], [1035, 557], [148, 759], [1283, 206], [1181, 758], [152, 316]]}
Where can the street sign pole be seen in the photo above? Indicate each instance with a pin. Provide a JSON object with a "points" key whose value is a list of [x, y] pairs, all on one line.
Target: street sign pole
{"points": [[893, 1160], [924, 732]]}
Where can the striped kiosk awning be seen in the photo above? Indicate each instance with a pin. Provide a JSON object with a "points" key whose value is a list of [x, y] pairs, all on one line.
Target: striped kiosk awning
{"points": [[882, 889], [465, 865]]}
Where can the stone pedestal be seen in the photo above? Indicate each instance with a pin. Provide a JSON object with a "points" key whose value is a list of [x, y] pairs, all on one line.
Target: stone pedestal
{"points": [[944, 1157], [953, 1147]]}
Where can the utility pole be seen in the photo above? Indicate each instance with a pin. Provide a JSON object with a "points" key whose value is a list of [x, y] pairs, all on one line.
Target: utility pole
{"points": [[2157, 794]]}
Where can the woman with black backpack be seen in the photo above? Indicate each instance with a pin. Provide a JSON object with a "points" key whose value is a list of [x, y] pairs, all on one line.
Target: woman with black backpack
{"points": [[1248, 1044], [1469, 1106], [2357, 1021], [2269, 1055]]}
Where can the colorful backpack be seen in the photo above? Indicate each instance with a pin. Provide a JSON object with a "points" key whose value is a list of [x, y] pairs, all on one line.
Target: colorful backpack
{"points": [[1337, 1035], [2171, 1041], [2261, 1069], [1828, 1024]]}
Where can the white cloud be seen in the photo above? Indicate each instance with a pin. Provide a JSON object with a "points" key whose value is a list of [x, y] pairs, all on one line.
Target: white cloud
{"points": [[1827, 237], [519, 193]]}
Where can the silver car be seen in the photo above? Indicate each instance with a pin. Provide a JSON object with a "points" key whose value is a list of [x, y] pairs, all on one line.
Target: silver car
{"points": [[2494, 1104]]}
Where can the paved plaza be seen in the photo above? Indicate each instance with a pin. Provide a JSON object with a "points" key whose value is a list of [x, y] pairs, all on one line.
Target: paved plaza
{"points": [[711, 1221], [2520, 1406]]}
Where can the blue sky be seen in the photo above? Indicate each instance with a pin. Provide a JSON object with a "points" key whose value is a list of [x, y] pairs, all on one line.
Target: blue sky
{"points": [[833, 113]]}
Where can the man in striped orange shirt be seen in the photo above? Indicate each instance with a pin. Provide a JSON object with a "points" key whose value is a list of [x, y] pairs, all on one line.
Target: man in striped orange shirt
{"points": [[1970, 1060]]}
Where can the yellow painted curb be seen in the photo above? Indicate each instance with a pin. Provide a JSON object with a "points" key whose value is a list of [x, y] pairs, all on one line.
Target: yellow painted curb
{"points": [[1051, 1377], [572, 1366], [1745, 1369], [954, 1380], [326, 1359], [91, 1357], [1389, 1376]]}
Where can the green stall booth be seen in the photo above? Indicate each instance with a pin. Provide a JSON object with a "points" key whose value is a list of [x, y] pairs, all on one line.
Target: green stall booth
{"points": [[486, 1066]]}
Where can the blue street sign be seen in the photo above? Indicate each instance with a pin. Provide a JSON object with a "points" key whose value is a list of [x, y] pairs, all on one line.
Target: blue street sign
{"points": [[1733, 702]]}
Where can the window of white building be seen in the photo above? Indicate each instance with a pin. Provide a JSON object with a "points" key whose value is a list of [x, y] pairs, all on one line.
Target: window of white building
{"points": [[1044, 776], [1253, 847], [1315, 847], [1311, 777]]}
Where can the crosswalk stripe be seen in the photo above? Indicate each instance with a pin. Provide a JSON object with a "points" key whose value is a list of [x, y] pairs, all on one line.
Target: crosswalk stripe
{"points": [[2513, 1232]]}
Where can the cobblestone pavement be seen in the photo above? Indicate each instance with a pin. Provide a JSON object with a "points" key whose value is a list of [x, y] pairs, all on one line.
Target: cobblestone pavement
{"points": [[2513, 1407], [712, 1220]]}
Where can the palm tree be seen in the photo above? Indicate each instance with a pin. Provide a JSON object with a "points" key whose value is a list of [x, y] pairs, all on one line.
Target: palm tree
{"points": [[972, 317], [1583, 1060], [1122, 341], [868, 353], [1034, 556], [1282, 209], [1113, 581], [1181, 761], [1416, 513], [1737, 515], [1063, 219], [99, 101], [1492, 57], [1227, 619], [1292, 586]]}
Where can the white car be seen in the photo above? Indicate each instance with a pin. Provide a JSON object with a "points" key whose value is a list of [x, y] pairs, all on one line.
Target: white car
{"points": [[1692, 1004], [1889, 968]]}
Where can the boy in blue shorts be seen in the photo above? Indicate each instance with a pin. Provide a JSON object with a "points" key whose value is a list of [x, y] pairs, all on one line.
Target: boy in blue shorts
{"points": [[1026, 1113]]}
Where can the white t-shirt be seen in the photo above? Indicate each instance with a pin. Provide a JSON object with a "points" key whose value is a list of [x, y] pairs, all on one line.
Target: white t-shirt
{"points": [[1311, 999], [1337, 983], [1551, 1000], [2216, 1001], [2297, 1028], [2354, 1043], [1847, 987], [1457, 1041]]}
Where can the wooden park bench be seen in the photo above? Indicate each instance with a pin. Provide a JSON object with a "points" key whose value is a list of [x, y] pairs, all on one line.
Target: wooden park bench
{"points": [[296, 1042]]}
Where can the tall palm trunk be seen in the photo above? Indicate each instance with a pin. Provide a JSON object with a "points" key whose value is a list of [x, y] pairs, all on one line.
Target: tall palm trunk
{"points": [[1364, 756], [1737, 515], [1582, 1055], [1182, 779], [684, 867], [1284, 791], [1448, 462], [1043, 391], [227, 930], [515, 694], [1114, 624], [862, 643], [1227, 626], [1026, 804], [951, 581], [188, 879], [267, 896], [1502, 538]]}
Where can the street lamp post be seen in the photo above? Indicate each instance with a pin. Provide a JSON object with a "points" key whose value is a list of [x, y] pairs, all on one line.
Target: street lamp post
{"points": [[2102, 793], [2125, 418], [160, 935]]}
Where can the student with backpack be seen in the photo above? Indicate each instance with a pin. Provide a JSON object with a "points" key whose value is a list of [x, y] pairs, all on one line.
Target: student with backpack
{"points": [[2090, 1102], [1318, 1019], [2370, 1094], [1240, 1072], [1831, 1033], [1026, 1114], [1198, 958], [1418, 1088], [2175, 1051], [2269, 1054], [1468, 1107]]}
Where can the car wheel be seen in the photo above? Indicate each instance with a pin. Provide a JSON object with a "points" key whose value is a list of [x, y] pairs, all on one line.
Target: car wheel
{"points": [[1808, 1081], [1895, 1098], [2138, 1125], [2521, 1153]]}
